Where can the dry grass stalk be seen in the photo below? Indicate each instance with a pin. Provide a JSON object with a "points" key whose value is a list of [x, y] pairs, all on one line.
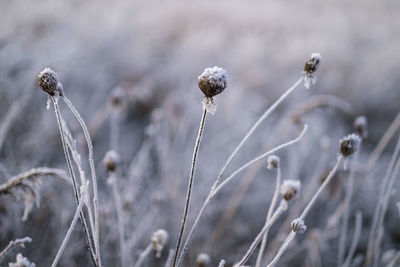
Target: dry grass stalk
{"points": [[31, 174], [13, 244]]}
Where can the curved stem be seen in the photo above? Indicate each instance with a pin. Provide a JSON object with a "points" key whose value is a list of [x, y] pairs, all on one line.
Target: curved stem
{"points": [[189, 189], [244, 166], [282, 207], [346, 212], [74, 186], [271, 208], [93, 173], [143, 255], [215, 189], [292, 234], [372, 233], [68, 235], [356, 238], [255, 126]]}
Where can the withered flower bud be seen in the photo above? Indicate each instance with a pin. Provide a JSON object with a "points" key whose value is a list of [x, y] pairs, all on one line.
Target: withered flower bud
{"points": [[273, 162], [361, 126], [203, 260], [289, 189], [298, 226], [312, 64], [213, 81], [158, 240], [48, 81], [349, 144], [117, 97], [111, 160]]}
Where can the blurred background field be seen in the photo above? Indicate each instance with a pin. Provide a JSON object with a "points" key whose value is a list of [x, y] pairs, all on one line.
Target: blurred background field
{"points": [[154, 51]]}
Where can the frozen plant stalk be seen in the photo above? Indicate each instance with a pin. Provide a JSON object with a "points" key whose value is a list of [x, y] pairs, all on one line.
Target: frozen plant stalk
{"points": [[211, 82], [48, 81], [306, 75], [348, 146]]}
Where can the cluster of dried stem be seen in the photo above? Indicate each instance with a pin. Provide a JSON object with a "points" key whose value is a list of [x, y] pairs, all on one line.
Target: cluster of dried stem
{"points": [[218, 184]]}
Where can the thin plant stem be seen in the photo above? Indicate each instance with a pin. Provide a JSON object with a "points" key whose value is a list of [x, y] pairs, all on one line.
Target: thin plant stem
{"points": [[71, 143], [245, 166], [282, 249], [13, 244], [271, 208], [356, 239], [394, 126], [74, 185], [372, 233], [143, 255], [114, 133], [254, 127], [189, 189], [321, 188], [385, 204], [12, 114], [281, 208], [120, 218], [235, 151], [93, 173], [213, 190], [221, 263], [68, 235], [292, 234], [169, 258], [346, 212]]}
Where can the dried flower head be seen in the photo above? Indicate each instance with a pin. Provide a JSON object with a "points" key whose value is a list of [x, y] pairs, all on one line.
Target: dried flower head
{"points": [[159, 239], [310, 67], [273, 162], [111, 160], [21, 261], [349, 144], [361, 126], [117, 96], [48, 81], [203, 260], [213, 81], [289, 189], [298, 226]]}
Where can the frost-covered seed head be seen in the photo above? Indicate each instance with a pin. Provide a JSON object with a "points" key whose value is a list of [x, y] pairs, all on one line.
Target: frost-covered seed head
{"points": [[111, 160], [273, 162], [349, 144], [289, 189], [203, 260], [48, 81], [117, 96], [21, 261], [213, 81], [298, 226], [159, 239], [361, 126], [312, 64]]}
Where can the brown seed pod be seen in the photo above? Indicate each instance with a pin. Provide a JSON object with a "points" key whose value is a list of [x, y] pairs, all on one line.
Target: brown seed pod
{"points": [[298, 226], [361, 126], [349, 144], [111, 160], [48, 81], [289, 189], [213, 81], [273, 162], [312, 64]]}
